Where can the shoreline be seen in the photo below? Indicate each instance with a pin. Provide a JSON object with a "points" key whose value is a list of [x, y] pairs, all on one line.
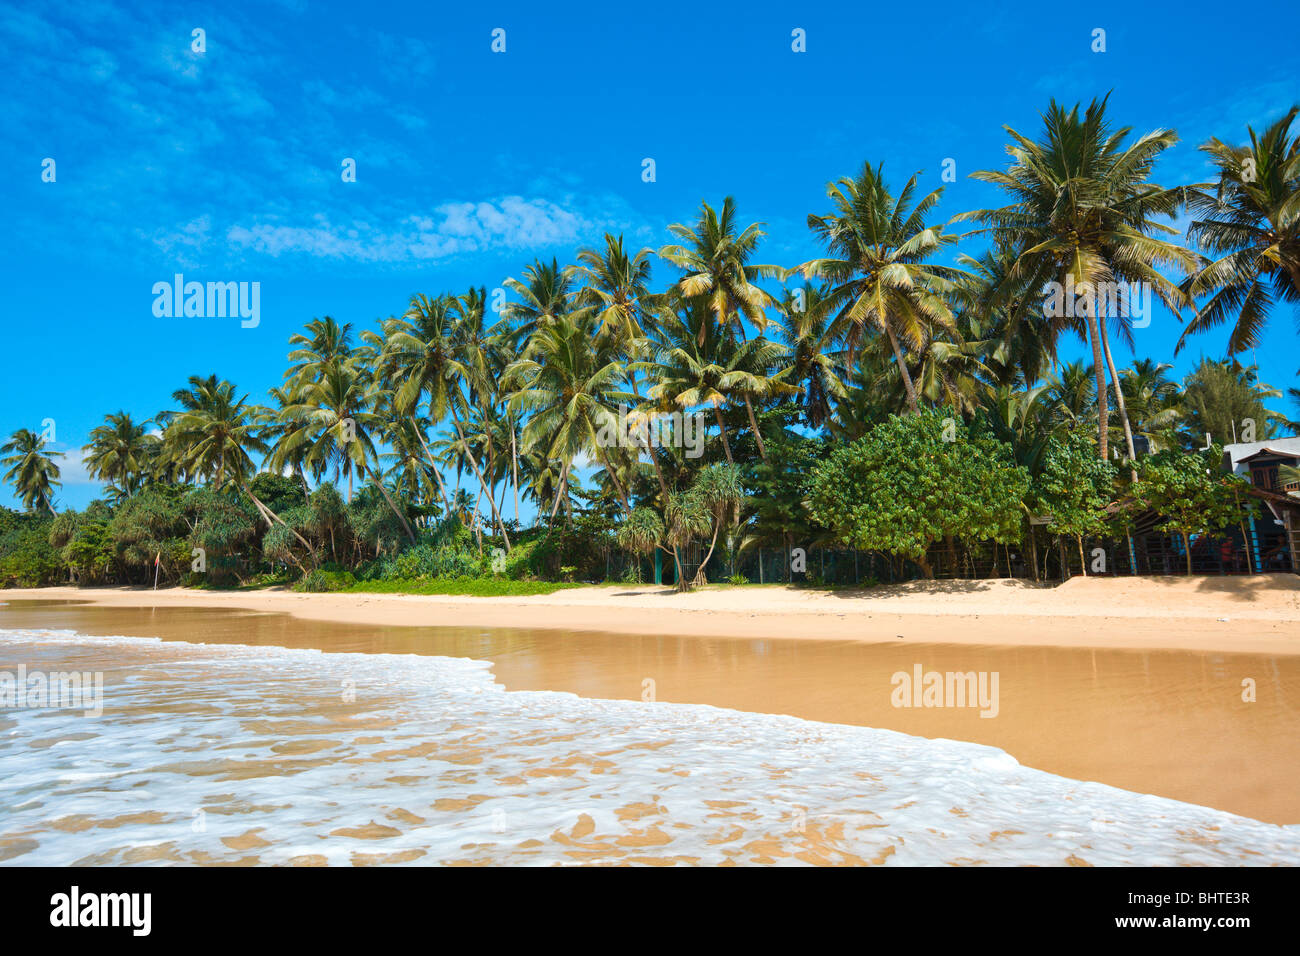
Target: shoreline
{"points": [[1256, 614]]}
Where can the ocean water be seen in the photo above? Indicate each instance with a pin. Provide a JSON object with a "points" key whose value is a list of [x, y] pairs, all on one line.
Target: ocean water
{"points": [[239, 754]]}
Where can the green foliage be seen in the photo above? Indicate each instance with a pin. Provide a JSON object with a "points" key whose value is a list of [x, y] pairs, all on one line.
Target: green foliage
{"points": [[425, 560], [474, 587], [372, 521], [1073, 487], [276, 491], [902, 487], [1218, 397], [27, 559], [90, 552], [779, 486], [1191, 492], [320, 580], [641, 530], [153, 522]]}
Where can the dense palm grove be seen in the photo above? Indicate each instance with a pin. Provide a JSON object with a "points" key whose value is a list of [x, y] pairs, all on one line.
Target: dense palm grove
{"points": [[871, 398]]}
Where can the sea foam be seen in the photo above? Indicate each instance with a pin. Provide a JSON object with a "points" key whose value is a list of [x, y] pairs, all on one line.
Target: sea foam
{"points": [[219, 753]]}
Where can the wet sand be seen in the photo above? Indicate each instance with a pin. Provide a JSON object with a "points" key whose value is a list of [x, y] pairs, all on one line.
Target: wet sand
{"points": [[1255, 614], [1160, 721]]}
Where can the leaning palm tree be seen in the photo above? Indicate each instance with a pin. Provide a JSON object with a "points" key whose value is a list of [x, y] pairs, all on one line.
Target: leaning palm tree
{"points": [[1251, 222], [32, 470], [1084, 214], [211, 436], [880, 282], [121, 451]]}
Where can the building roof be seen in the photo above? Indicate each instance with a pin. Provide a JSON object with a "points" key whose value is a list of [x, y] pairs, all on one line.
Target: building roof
{"points": [[1235, 454], [1279, 452]]}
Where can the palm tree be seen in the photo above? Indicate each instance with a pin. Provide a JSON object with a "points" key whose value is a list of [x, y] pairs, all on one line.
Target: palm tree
{"points": [[331, 426], [410, 469], [878, 244], [1072, 394], [617, 286], [1083, 216], [816, 366], [570, 383], [32, 470], [1252, 223], [211, 436], [721, 490], [423, 360], [753, 372], [121, 451], [715, 255], [545, 295], [213, 432], [288, 450], [1004, 310], [1153, 400], [688, 360], [322, 342]]}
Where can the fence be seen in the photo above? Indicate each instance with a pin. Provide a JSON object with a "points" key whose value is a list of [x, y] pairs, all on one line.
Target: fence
{"points": [[1041, 556]]}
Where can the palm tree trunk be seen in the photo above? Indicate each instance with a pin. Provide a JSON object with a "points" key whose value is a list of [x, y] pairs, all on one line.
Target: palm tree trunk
{"points": [[514, 468], [753, 424], [478, 472], [1119, 394], [442, 492], [391, 504], [269, 516], [560, 488], [618, 485], [1099, 370], [912, 403], [726, 445], [700, 579]]}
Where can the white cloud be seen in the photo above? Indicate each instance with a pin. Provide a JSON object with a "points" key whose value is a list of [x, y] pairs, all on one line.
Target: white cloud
{"points": [[507, 223]]}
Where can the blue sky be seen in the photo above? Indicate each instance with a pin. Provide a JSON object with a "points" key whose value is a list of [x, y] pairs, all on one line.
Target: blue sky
{"points": [[225, 165]]}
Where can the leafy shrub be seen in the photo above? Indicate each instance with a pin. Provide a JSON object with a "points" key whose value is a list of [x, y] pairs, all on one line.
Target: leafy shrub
{"points": [[27, 559], [320, 580]]}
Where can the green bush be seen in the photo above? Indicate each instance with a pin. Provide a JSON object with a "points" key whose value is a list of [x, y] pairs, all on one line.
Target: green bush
{"points": [[321, 580], [27, 559]]}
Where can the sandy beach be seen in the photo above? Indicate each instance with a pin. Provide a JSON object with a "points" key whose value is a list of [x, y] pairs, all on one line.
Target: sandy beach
{"points": [[1258, 614]]}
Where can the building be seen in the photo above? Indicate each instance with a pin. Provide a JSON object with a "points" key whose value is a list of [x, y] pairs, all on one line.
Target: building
{"points": [[1275, 537]]}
